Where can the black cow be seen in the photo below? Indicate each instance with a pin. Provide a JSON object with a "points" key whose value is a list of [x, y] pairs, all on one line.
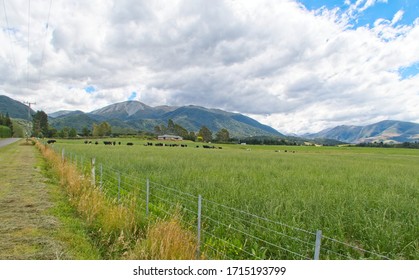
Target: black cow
{"points": [[52, 141], [130, 144]]}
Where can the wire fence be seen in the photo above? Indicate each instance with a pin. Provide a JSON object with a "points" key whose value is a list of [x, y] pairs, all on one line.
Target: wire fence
{"points": [[223, 232]]}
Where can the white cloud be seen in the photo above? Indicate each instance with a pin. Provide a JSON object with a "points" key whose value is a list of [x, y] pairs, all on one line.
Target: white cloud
{"points": [[291, 68]]}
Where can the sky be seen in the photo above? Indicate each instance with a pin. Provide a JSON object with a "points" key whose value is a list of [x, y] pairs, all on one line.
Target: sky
{"points": [[298, 66]]}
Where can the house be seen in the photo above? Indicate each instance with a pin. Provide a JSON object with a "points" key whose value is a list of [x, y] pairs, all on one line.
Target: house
{"points": [[169, 137]]}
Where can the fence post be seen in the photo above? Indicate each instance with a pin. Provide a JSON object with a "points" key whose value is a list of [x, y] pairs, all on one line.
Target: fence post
{"points": [[62, 154], [101, 176], [147, 198], [198, 247], [119, 187], [93, 172], [318, 244]]}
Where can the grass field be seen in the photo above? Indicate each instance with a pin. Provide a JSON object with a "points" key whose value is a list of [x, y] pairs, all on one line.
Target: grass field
{"points": [[366, 197]]}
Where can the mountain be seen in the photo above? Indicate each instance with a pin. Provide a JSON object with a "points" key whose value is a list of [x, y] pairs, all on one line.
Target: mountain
{"points": [[64, 113], [139, 116], [388, 131], [16, 109]]}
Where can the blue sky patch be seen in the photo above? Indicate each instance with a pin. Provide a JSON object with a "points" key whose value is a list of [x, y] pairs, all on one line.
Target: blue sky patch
{"points": [[408, 72], [381, 9], [132, 96], [90, 89]]}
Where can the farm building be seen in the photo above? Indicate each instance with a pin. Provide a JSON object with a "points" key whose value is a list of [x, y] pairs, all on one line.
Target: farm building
{"points": [[169, 137]]}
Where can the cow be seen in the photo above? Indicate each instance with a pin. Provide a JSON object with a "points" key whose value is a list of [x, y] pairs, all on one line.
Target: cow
{"points": [[130, 144], [52, 141]]}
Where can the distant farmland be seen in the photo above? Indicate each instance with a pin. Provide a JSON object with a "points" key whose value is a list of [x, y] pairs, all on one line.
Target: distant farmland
{"points": [[366, 197]]}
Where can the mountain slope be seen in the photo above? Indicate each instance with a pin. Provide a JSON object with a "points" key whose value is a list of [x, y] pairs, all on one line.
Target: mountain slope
{"points": [[16, 109], [194, 117], [139, 116], [384, 131], [131, 110]]}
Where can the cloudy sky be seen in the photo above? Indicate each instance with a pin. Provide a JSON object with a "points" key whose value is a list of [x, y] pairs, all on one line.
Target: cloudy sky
{"points": [[299, 66]]}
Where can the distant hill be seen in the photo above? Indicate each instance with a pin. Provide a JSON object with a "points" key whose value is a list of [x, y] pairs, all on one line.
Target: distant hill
{"points": [[16, 109], [139, 116], [389, 131]]}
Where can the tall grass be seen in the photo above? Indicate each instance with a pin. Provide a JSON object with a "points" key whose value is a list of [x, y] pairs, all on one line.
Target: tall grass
{"points": [[362, 196], [116, 230]]}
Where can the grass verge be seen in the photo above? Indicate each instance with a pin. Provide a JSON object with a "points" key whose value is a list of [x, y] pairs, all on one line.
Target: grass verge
{"points": [[118, 231]]}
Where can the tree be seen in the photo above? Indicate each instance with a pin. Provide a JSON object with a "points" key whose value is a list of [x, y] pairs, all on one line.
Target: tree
{"points": [[103, 129], [72, 133], [223, 135], [205, 133], [85, 131], [40, 124], [181, 131], [157, 130], [191, 136], [64, 132], [171, 126], [5, 132]]}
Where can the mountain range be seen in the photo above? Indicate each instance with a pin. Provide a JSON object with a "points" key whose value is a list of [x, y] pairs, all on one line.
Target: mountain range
{"points": [[134, 116], [389, 131]]}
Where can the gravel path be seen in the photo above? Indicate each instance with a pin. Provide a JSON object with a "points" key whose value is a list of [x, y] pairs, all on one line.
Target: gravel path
{"points": [[7, 141]]}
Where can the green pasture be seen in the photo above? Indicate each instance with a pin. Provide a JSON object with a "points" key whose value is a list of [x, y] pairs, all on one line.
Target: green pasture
{"points": [[368, 197]]}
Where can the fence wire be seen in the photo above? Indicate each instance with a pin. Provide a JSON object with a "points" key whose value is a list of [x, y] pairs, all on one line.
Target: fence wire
{"points": [[227, 232]]}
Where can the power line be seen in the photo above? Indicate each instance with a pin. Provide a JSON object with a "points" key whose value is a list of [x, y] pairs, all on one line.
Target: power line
{"points": [[10, 38], [45, 40], [29, 29], [29, 117]]}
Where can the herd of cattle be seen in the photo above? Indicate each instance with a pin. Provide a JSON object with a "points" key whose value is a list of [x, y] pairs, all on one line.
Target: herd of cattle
{"points": [[114, 143]]}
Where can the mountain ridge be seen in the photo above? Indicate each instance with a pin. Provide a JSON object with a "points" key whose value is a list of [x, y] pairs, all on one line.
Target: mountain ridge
{"points": [[139, 116], [14, 108], [386, 131]]}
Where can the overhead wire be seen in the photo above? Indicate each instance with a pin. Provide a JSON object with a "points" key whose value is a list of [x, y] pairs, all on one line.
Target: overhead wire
{"points": [[28, 53], [45, 41], [10, 38]]}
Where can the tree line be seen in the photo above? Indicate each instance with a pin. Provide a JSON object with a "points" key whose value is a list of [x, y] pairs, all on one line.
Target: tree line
{"points": [[203, 135], [41, 129], [6, 126]]}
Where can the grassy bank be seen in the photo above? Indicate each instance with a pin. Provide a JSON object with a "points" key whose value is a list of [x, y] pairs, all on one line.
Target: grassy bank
{"points": [[116, 230]]}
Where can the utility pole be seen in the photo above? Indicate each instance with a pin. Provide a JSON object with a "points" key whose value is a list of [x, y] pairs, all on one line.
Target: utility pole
{"points": [[29, 118]]}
